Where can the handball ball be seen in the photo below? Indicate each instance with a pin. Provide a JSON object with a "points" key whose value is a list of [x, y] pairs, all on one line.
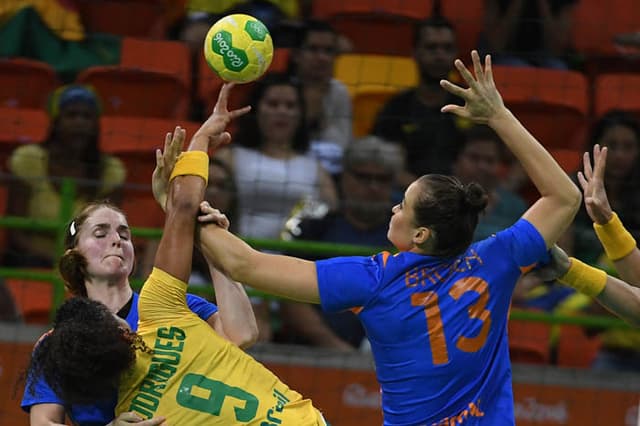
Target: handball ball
{"points": [[238, 48]]}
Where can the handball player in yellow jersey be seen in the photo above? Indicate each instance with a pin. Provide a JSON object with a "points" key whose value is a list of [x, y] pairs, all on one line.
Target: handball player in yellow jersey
{"points": [[175, 366]]}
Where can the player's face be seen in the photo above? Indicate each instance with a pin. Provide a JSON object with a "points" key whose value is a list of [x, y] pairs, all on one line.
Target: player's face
{"points": [[279, 113], [105, 241], [401, 226], [623, 148]]}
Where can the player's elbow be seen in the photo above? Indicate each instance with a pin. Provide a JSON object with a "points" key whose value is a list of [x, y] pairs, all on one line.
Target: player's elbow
{"points": [[248, 336]]}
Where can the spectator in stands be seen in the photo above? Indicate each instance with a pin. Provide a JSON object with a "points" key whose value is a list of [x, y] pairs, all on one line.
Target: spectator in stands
{"points": [[528, 32], [270, 159], [413, 118], [479, 161], [370, 166], [70, 151], [327, 101], [273, 169], [619, 131]]}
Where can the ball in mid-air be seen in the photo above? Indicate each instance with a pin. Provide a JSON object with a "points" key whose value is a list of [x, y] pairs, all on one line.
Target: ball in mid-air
{"points": [[238, 48]]}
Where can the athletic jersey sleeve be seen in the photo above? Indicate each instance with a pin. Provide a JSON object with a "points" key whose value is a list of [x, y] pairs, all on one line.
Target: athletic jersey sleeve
{"points": [[349, 282], [524, 243], [200, 306], [42, 392], [163, 297]]}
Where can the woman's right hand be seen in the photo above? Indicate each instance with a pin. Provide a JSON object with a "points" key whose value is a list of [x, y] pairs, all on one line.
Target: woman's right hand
{"points": [[482, 100], [592, 183]]}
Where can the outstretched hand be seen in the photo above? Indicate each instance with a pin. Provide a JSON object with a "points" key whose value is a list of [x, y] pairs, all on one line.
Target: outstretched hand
{"points": [[592, 183], [482, 99], [214, 127], [165, 160]]}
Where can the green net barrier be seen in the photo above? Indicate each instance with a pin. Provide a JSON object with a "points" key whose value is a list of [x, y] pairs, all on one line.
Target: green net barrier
{"points": [[308, 248]]}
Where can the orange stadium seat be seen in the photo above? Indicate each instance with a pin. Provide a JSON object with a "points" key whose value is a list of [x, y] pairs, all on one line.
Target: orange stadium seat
{"points": [[372, 80], [136, 18], [596, 23], [529, 341], [34, 299], [375, 26], [616, 91], [166, 56], [135, 140], [468, 19], [575, 348], [131, 92], [26, 83], [552, 104], [209, 83]]}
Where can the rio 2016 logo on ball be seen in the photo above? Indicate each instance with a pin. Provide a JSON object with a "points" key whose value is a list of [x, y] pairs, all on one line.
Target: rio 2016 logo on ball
{"points": [[238, 48]]}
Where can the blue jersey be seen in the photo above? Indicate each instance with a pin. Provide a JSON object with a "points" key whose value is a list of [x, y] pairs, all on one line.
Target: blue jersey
{"points": [[438, 326], [102, 413]]}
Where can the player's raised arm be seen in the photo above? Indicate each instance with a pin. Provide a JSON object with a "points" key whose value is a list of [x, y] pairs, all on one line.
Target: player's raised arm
{"points": [[559, 198]]}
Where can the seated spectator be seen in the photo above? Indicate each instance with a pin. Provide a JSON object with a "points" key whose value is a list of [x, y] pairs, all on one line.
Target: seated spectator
{"points": [[479, 161], [619, 131], [327, 101], [70, 151], [270, 160], [412, 118], [528, 32], [366, 187]]}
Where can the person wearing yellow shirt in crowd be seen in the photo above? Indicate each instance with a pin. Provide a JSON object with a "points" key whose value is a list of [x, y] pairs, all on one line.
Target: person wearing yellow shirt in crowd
{"points": [[174, 367], [71, 150]]}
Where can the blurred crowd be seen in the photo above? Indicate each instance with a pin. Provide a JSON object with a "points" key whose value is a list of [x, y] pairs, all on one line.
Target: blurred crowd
{"points": [[295, 170]]}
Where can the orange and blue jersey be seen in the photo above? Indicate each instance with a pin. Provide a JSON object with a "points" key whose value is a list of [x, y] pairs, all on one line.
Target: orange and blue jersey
{"points": [[100, 413], [438, 326]]}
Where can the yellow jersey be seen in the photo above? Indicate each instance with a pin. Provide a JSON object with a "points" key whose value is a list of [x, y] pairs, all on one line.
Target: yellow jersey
{"points": [[196, 377]]}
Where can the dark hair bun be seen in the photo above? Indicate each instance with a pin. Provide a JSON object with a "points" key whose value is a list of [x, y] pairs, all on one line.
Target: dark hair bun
{"points": [[475, 196]]}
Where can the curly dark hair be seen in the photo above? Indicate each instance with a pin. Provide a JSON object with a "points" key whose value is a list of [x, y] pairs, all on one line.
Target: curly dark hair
{"points": [[82, 357]]}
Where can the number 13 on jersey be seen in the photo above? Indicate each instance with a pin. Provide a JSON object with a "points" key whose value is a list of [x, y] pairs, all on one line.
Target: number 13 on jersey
{"points": [[435, 327]]}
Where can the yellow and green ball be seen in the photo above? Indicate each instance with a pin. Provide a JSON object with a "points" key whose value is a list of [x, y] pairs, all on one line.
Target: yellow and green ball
{"points": [[238, 48]]}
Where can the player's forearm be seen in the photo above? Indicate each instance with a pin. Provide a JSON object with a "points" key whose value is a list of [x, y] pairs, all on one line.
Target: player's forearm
{"points": [[621, 299], [236, 312], [629, 268]]}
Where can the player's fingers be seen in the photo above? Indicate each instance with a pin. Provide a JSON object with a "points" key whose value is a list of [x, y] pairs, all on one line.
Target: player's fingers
{"points": [[159, 160], [130, 417], [477, 65], [152, 422], [238, 112], [455, 109], [488, 71], [167, 141], [466, 75], [583, 182], [600, 164], [586, 164], [454, 89], [223, 97]]}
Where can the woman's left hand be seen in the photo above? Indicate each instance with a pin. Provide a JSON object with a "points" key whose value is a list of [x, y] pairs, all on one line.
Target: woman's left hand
{"points": [[482, 100], [210, 215], [165, 160]]}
